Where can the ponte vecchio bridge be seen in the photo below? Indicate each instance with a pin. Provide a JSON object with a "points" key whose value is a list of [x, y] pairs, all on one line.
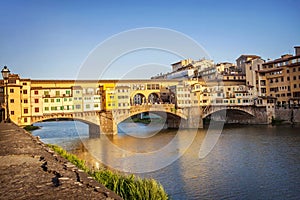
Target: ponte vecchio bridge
{"points": [[104, 104]]}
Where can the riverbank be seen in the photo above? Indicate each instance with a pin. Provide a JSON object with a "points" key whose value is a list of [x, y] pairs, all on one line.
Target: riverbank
{"points": [[127, 186], [31, 170]]}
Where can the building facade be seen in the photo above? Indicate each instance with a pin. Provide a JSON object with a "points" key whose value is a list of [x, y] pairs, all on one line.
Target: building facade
{"points": [[280, 79]]}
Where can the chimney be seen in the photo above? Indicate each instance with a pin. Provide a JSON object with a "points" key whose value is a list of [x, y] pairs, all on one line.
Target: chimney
{"points": [[297, 50]]}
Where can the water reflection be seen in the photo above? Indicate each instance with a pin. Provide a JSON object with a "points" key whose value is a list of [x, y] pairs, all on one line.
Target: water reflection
{"points": [[248, 162], [139, 155]]}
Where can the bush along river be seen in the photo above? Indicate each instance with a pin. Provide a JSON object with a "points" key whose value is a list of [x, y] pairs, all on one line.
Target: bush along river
{"points": [[247, 162]]}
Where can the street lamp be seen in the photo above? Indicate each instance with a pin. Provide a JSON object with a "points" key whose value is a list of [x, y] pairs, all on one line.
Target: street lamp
{"points": [[5, 73]]}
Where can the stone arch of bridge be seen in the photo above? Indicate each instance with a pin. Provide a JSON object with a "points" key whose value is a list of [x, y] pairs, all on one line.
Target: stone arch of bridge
{"points": [[63, 119], [167, 114], [230, 111], [94, 129]]}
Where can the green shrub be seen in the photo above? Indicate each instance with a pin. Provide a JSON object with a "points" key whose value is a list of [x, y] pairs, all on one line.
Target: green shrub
{"points": [[126, 186], [31, 128]]}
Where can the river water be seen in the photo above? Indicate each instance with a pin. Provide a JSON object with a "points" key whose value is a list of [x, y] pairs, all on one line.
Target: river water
{"points": [[247, 162]]}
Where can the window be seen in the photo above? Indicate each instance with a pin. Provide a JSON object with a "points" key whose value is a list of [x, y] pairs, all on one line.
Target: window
{"points": [[46, 108], [294, 77], [25, 110], [61, 108], [25, 119], [25, 100], [78, 106], [68, 92], [46, 92], [57, 93], [57, 100], [36, 100], [65, 99], [282, 79], [294, 69], [12, 101], [36, 92], [24, 83], [46, 100], [87, 106], [52, 100], [11, 91], [12, 112], [24, 91], [53, 108], [36, 109]]}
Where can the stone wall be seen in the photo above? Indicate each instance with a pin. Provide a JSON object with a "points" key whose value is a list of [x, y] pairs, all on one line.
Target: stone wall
{"points": [[288, 115]]}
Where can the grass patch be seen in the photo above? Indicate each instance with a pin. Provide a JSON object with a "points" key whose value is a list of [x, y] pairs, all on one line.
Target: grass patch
{"points": [[126, 186], [31, 128], [144, 121]]}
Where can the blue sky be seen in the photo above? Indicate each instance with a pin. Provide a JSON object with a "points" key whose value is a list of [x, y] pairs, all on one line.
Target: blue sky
{"points": [[52, 39]]}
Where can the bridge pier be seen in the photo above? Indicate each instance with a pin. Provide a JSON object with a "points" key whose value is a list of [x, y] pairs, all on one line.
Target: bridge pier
{"points": [[94, 131], [193, 121], [108, 125], [173, 122]]}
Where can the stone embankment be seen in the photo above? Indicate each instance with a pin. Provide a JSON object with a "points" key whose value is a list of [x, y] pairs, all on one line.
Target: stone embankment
{"points": [[30, 170]]}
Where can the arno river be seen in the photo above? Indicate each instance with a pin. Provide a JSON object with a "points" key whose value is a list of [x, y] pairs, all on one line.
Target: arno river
{"points": [[248, 162]]}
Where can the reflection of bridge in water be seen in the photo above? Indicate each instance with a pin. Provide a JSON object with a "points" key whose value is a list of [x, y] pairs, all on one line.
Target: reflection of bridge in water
{"points": [[106, 122]]}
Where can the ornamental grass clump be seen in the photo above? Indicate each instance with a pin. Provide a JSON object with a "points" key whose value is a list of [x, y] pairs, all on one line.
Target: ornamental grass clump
{"points": [[126, 186]]}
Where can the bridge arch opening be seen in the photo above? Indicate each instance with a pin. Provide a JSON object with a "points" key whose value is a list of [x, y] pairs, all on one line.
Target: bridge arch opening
{"points": [[153, 98], [149, 123], [229, 116], [139, 99], [93, 129]]}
